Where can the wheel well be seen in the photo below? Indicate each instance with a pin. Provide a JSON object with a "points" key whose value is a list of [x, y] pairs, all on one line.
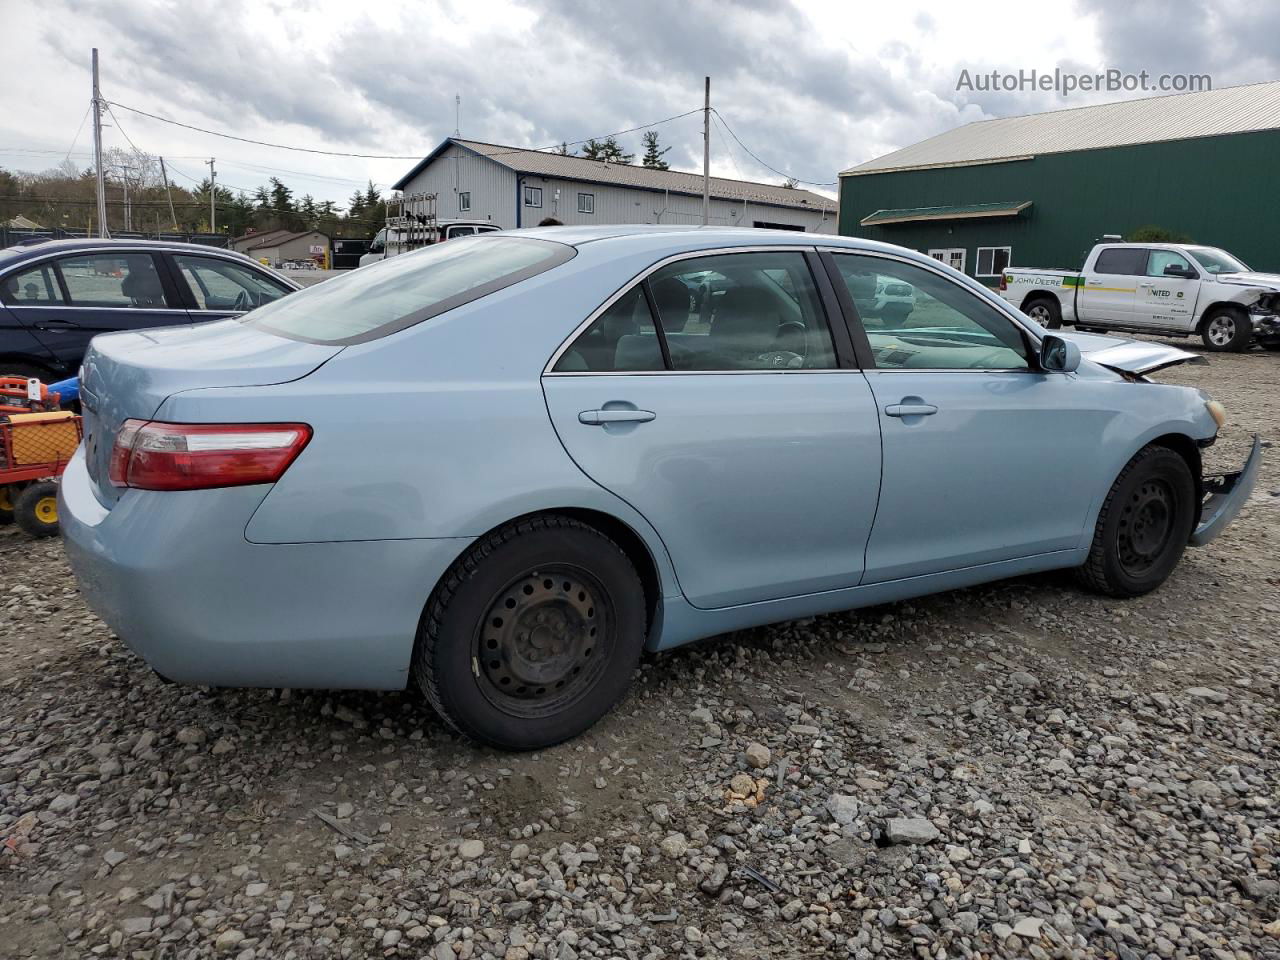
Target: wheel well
{"points": [[1219, 305], [1033, 296], [1189, 450], [632, 545]]}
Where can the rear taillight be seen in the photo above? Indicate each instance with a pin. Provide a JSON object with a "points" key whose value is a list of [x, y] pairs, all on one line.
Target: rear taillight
{"points": [[197, 456], [1004, 281]]}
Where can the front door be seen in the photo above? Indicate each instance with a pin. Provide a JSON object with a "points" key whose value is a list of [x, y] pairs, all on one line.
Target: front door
{"points": [[730, 426], [1111, 286], [985, 459], [1163, 301]]}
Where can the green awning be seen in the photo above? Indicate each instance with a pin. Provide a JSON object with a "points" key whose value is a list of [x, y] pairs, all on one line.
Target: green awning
{"points": [[964, 211]]}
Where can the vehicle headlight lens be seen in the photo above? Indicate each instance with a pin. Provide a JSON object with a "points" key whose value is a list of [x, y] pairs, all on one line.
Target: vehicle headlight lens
{"points": [[1217, 411]]}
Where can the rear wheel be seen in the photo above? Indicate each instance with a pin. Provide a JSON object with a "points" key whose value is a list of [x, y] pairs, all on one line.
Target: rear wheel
{"points": [[1045, 311], [36, 509], [7, 496], [1226, 329], [1143, 526], [532, 636]]}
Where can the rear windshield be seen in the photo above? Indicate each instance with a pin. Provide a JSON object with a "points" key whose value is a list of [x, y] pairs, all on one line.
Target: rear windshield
{"points": [[384, 297]]}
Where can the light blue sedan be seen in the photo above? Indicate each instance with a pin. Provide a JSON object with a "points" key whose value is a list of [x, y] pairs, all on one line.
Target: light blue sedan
{"points": [[503, 466]]}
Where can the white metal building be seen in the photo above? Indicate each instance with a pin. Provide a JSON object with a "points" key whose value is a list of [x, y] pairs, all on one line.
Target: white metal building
{"points": [[514, 187]]}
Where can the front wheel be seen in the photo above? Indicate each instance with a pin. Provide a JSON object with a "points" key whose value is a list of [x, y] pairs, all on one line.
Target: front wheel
{"points": [[1227, 330], [1047, 312], [1143, 526], [533, 635]]}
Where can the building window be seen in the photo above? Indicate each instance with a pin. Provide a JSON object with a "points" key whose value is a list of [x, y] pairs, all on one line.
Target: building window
{"points": [[586, 203], [464, 202], [992, 261], [533, 196], [951, 256]]}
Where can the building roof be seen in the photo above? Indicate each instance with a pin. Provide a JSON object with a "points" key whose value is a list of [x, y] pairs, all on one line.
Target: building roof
{"points": [[1156, 119], [538, 163], [277, 237]]}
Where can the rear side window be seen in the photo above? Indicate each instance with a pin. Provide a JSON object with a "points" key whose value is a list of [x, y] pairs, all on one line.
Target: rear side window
{"points": [[114, 280], [35, 286], [396, 293], [622, 338], [1122, 261]]}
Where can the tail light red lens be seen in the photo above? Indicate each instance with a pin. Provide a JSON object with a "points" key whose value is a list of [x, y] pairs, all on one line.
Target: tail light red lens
{"points": [[198, 456], [1004, 281]]}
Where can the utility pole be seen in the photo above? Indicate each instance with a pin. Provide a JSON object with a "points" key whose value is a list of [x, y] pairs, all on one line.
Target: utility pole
{"points": [[213, 192], [165, 177], [97, 151], [706, 156], [457, 115]]}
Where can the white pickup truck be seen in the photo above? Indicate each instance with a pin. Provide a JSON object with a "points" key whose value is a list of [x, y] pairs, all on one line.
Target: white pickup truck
{"points": [[1172, 289]]}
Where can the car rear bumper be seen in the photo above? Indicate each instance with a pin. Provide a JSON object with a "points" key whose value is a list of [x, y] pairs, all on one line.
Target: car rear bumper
{"points": [[1227, 494], [174, 577]]}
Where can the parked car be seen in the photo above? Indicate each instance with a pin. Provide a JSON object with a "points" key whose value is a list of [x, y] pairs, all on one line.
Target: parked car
{"points": [[487, 468], [57, 295], [1173, 289]]}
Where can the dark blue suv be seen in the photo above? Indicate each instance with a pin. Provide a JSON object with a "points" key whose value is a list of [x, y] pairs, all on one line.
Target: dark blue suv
{"points": [[56, 296]]}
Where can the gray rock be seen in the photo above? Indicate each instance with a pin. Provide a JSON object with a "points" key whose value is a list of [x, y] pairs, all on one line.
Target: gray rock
{"points": [[843, 808], [758, 755], [910, 830], [471, 849]]}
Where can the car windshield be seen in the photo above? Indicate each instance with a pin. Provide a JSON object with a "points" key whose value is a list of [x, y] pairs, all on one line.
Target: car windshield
{"points": [[379, 299], [1216, 261]]}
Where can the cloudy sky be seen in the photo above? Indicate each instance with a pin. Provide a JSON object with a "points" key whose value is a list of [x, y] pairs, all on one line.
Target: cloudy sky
{"points": [[810, 88]]}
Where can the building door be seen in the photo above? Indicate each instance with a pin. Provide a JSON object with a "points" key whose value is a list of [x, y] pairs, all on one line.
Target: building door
{"points": [[951, 256]]}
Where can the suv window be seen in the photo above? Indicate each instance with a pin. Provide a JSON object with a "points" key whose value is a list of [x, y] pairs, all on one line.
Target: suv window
{"points": [[392, 294], [220, 285], [35, 286], [621, 338], [742, 311], [1160, 259], [1122, 261], [113, 280], [917, 319]]}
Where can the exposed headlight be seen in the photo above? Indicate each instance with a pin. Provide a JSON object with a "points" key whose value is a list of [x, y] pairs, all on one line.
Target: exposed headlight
{"points": [[1217, 411]]}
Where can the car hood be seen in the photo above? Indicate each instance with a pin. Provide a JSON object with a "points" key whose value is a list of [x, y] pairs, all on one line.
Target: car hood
{"points": [[1128, 356], [1269, 281]]}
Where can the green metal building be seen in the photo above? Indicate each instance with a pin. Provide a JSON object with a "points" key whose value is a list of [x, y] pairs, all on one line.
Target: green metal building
{"points": [[1038, 190]]}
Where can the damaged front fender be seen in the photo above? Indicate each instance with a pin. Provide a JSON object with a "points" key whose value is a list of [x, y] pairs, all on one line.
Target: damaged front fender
{"points": [[1128, 356]]}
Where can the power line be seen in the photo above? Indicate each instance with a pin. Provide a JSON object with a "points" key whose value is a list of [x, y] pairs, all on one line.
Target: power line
{"points": [[76, 138], [789, 176]]}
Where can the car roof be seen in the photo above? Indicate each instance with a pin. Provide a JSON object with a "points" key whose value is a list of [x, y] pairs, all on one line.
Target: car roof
{"points": [[709, 236], [46, 247]]}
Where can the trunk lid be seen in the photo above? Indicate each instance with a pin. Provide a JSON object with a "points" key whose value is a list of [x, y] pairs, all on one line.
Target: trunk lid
{"points": [[1128, 356], [128, 375]]}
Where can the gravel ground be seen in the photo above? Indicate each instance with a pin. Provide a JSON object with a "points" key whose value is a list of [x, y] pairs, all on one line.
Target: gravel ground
{"points": [[1019, 770]]}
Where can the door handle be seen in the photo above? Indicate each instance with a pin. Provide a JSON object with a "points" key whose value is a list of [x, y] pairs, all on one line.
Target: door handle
{"points": [[1094, 283], [1146, 284], [600, 418], [910, 410]]}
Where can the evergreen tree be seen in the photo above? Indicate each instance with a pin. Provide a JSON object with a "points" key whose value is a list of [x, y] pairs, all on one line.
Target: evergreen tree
{"points": [[653, 154], [607, 150]]}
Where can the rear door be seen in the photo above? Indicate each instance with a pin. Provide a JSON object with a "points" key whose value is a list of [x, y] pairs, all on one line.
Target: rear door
{"points": [[733, 425], [1111, 285], [214, 288], [97, 292], [1163, 301]]}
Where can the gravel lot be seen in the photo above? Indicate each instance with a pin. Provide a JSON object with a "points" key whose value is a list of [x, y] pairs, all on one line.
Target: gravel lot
{"points": [[1019, 770]]}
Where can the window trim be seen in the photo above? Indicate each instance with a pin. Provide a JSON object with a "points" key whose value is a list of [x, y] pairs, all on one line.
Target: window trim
{"points": [[591, 197], [863, 344], [977, 259], [528, 193], [464, 206], [835, 320]]}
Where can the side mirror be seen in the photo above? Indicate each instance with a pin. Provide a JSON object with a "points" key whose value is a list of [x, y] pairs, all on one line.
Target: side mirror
{"points": [[1058, 355], [1173, 270]]}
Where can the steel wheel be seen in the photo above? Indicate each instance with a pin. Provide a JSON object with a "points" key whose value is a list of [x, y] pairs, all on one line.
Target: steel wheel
{"points": [[1221, 330], [1146, 523], [544, 639]]}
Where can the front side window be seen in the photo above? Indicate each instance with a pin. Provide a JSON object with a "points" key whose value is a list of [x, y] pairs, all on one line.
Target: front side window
{"points": [[586, 203], [533, 196], [34, 287], [464, 201], [916, 319], [219, 285], [399, 292], [992, 261], [1160, 259], [1216, 261], [1122, 261], [113, 280]]}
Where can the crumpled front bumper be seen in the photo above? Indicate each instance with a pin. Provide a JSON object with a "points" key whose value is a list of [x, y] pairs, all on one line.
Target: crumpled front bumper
{"points": [[1266, 327], [1226, 495]]}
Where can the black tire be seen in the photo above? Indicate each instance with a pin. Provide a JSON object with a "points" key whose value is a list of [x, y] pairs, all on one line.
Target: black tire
{"points": [[1143, 526], [1045, 311], [7, 496], [36, 509], [1226, 329], [556, 663]]}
